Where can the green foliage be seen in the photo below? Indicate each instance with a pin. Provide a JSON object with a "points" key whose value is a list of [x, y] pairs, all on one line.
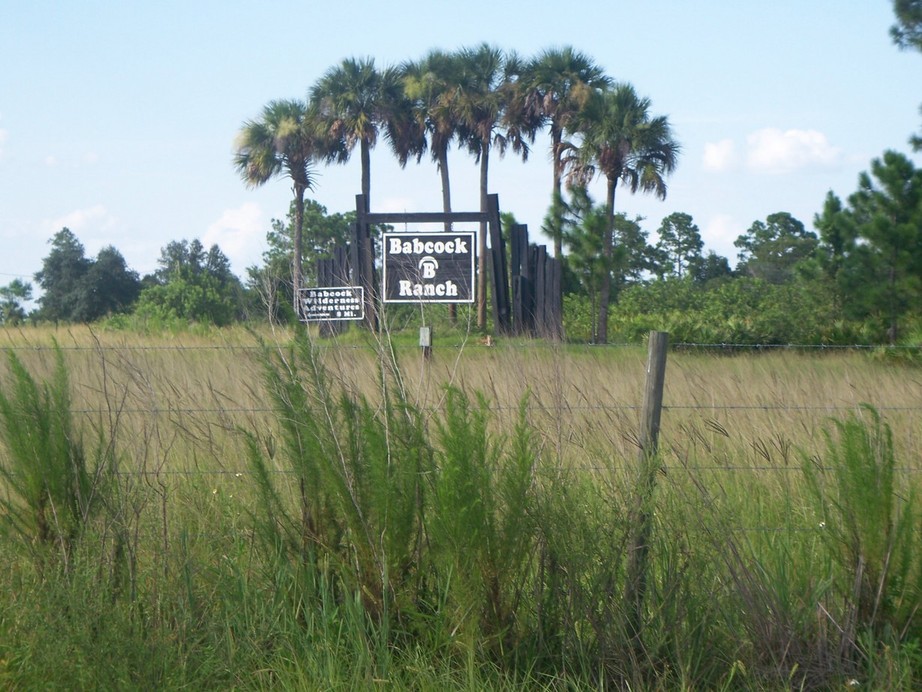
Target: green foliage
{"points": [[585, 228], [192, 285], [888, 211], [79, 289], [107, 288], [733, 311], [869, 524], [478, 521], [60, 276], [183, 299], [624, 142], [418, 525], [52, 491], [838, 234], [681, 244], [771, 250], [907, 32], [67, 632], [555, 222], [359, 473], [12, 296], [712, 267], [374, 543], [271, 281]]}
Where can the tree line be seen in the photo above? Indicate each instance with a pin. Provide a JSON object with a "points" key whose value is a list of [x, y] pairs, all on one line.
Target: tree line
{"points": [[191, 284], [858, 278]]}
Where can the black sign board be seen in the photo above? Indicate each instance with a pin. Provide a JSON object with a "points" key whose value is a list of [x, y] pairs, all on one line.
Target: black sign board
{"points": [[322, 304], [432, 267]]}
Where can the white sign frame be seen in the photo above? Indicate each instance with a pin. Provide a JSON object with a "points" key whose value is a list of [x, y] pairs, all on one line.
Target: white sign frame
{"points": [[424, 258]]}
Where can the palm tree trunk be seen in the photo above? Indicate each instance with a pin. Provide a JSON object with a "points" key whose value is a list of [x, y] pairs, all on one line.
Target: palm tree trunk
{"points": [[556, 137], [366, 169], [446, 207], [297, 270], [482, 240], [607, 244], [446, 188]]}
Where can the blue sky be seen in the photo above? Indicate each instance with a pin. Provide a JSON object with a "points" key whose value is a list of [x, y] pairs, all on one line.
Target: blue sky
{"points": [[117, 119]]}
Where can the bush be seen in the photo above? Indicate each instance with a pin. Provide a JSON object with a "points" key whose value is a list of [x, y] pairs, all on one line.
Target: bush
{"points": [[54, 490]]}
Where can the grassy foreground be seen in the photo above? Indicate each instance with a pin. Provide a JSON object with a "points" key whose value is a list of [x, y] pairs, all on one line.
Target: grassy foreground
{"points": [[228, 510]]}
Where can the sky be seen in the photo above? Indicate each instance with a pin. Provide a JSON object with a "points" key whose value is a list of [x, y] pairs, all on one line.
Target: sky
{"points": [[118, 118]]}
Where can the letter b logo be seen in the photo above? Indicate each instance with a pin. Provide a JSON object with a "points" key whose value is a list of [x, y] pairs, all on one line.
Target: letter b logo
{"points": [[427, 267]]}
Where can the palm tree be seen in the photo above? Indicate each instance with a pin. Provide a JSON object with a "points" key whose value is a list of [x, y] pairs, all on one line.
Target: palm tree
{"points": [[561, 82], [621, 141], [353, 100], [283, 141], [432, 86], [488, 81]]}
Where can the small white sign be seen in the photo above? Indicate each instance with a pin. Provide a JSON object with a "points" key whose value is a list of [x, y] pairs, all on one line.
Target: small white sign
{"points": [[327, 303]]}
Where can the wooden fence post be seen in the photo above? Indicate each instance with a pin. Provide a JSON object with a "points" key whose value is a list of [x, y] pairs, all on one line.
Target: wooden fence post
{"points": [[646, 483]]}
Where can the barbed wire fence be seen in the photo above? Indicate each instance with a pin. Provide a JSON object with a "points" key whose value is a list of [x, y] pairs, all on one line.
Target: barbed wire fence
{"points": [[219, 414]]}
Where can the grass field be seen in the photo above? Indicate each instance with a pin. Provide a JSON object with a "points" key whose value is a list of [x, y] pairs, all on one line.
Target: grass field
{"points": [[355, 523]]}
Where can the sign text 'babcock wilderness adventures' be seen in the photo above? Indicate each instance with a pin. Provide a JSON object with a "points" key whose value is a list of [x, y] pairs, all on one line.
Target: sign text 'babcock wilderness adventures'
{"points": [[429, 267]]}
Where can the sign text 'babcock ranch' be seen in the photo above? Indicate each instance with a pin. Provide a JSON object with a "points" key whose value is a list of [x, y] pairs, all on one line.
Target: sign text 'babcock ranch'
{"points": [[429, 267]]}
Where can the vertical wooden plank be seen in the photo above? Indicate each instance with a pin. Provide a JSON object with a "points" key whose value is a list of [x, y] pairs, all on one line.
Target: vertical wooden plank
{"points": [[553, 300], [517, 326], [527, 267], [366, 265], [540, 279], [518, 260], [529, 270], [648, 463], [501, 307], [355, 258], [517, 249]]}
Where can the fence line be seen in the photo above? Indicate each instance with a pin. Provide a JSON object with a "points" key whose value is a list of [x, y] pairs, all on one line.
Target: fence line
{"points": [[523, 345], [537, 407], [245, 475]]}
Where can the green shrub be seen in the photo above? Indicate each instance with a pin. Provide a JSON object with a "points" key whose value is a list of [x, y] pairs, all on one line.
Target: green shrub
{"points": [[53, 490], [868, 522]]}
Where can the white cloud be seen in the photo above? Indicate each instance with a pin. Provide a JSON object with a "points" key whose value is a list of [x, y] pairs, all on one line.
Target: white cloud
{"points": [[240, 233], [775, 151], [719, 156], [718, 234], [89, 158], [95, 218]]}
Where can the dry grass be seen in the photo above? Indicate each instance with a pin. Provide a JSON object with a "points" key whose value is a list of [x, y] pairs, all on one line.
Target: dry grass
{"points": [[183, 395]]}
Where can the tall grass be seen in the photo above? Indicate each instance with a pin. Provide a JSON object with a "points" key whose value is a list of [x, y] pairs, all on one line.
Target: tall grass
{"points": [[301, 514], [869, 524], [55, 485], [422, 522]]}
